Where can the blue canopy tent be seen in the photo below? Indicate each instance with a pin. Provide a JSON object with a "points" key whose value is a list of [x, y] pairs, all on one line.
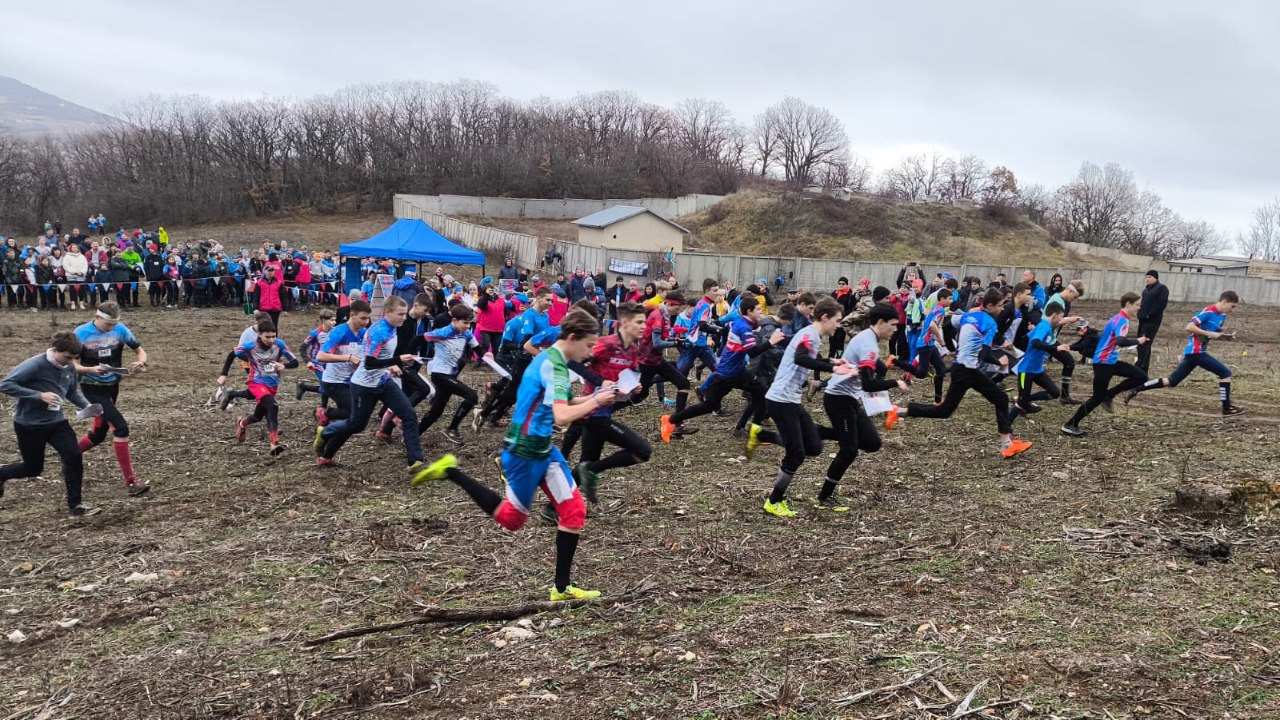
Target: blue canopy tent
{"points": [[407, 241]]}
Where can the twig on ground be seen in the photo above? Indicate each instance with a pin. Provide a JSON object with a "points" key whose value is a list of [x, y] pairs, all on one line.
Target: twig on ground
{"points": [[887, 689]]}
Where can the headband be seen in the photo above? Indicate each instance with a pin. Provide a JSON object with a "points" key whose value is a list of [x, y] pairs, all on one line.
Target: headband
{"points": [[105, 316]]}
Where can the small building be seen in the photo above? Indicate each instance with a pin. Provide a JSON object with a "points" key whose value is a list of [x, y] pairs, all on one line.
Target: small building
{"points": [[1213, 264], [626, 227]]}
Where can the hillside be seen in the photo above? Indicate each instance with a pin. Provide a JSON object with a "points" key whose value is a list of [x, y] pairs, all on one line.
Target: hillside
{"points": [[24, 110], [871, 229]]}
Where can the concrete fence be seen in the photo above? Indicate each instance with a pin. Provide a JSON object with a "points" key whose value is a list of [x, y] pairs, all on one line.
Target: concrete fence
{"points": [[821, 275], [566, 209]]}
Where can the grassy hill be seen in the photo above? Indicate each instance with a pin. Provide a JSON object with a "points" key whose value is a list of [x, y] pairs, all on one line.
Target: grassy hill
{"points": [[872, 229]]}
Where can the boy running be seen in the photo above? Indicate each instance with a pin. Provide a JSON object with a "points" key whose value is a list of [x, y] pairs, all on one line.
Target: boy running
{"points": [[340, 353], [1042, 342], [267, 356], [103, 341], [40, 384], [1107, 363], [311, 349], [247, 336], [529, 460], [453, 343], [1204, 327]]}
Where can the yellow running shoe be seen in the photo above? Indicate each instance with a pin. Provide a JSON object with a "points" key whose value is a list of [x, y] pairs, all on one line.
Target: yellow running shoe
{"points": [[497, 461], [434, 471], [573, 593], [318, 445], [753, 440], [779, 509]]}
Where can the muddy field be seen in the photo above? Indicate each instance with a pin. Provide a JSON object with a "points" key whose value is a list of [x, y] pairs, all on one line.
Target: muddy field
{"points": [[1059, 584]]}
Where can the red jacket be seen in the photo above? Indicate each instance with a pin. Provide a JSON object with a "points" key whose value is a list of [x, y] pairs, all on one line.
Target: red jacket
{"points": [[268, 290]]}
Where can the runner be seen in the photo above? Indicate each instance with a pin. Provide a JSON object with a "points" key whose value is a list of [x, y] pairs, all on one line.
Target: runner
{"points": [[514, 357], [264, 355], [453, 343], [103, 340], [409, 341], [247, 336], [340, 355], [1042, 342], [1204, 327], [529, 460], [1107, 363], [311, 349], [40, 384]]}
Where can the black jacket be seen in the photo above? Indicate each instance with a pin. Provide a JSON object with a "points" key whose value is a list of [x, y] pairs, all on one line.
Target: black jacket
{"points": [[1155, 298]]}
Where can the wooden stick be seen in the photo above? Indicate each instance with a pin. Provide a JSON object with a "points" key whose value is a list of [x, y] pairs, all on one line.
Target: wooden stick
{"points": [[887, 689], [430, 615]]}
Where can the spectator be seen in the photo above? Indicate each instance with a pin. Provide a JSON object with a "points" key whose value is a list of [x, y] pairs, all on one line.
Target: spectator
{"points": [[1155, 298]]}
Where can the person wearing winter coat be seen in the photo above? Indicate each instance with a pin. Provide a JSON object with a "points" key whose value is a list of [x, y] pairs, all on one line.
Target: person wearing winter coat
{"points": [[75, 268]]}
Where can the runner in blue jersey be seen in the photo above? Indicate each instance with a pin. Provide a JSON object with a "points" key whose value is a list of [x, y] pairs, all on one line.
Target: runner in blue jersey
{"points": [[375, 380], [1204, 327], [927, 356], [340, 355], [1042, 343], [701, 325], [513, 356], [453, 343], [103, 341], [973, 350], [1107, 363], [267, 356], [530, 460], [311, 351]]}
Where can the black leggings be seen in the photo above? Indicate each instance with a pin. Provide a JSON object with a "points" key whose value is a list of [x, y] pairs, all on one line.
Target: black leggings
{"points": [[850, 427], [1068, 364], [664, 371], [105, 395], [266, 408], [340, 394], [963, 379], [599, 431], [797, 434], [32, 440], [489, 342], [719, 388], [1102, 374], [495, 408], [448, 386], [1026, 381], [415, 388], [927, 357]]}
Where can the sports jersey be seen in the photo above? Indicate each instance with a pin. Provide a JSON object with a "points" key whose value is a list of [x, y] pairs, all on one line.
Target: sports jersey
{"points": [[1108, 350], [1032, 362], [701, 313], [341, 340], [861, 352], [1011, 332], [927, 338], [733, 357], [532, 322], [977, 329], [248, 335], [1057, 298], [1209, 319], [451, 349], [262, 368], [544, 383], [104, 348], [789, 380], [546, 338], [657, 323], [379, 343], [609, 358]]}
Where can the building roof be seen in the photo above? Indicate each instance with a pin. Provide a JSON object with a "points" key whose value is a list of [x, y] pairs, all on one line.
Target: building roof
{"points": [[618, 213], [1213, 261]]}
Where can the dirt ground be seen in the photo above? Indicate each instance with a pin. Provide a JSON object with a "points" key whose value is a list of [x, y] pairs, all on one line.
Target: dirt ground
{"points": [[1061, 584]]}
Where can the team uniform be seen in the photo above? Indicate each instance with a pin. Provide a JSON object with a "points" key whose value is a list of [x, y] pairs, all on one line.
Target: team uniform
{"points": [[700, 324], [107, 348], [1196, 355], [926, 351], [334, 379], [1042, 342], [512, 356], [731, 373], [451, 350], [843, 402], [409, 341], [610, 357], [311, 348], [1106, 365], [263, 384], [658, 336]]}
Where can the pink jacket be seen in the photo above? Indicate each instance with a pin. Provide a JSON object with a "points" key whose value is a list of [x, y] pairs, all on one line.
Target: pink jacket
{"points": [[269, 293], [493, 318]]}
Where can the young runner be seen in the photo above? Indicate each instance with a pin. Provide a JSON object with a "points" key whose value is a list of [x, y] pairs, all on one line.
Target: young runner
{"points": [[453, 343], [513, 356], [974, 350], [340, 355], [926, 348], [311, 350], [409, 340], [1107, 363], [267, 356], [1042, 342], [247, 336], [40, 384], [731, 371], [103, 341], [702, 326], [1204, 327], [529, 460], [373, 381], [657, 338], [797, 433], [1064, 297]]}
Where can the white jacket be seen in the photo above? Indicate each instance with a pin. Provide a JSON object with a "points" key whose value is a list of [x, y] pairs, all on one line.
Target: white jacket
{"points": [[75, 266]]}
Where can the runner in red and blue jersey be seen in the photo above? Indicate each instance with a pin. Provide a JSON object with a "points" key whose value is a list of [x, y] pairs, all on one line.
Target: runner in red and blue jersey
{"points": [[731, 371], [530, 460], [1107, 363], [311, 351], [926, 347], [702, 324], [514, 357], [1205, 326], [267, 356]]}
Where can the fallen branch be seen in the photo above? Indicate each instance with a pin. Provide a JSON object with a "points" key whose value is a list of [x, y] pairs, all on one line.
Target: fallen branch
{"points": [[429, 615], [887, 689]]}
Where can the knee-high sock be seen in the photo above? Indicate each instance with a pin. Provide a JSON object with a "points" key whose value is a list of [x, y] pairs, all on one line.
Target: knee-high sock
{"points": [[566, 546], [125, 459]]}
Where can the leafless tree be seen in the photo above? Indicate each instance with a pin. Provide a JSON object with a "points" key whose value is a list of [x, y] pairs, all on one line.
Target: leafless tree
{"points": [[802, 137], [1094, 206], [1263, 239], [962, 178]]}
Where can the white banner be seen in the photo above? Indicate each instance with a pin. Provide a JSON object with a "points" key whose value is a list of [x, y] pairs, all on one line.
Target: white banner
{"points": [[628, 267]]}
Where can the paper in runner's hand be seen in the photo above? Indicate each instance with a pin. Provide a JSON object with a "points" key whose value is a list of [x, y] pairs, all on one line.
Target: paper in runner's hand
{"points": [[116, 370], [488, 360], [876, 403], [628, 380], [90, 411], [575, 378]]}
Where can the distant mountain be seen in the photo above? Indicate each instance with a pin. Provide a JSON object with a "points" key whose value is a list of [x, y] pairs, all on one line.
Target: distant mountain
{"points": [[25, 110]]}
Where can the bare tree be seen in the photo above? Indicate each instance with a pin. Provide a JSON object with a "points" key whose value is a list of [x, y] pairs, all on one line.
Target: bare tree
{"points": [[916, 177], [1194, 239], [1263, 240], [802, 136], [1093, 207], [962, 178]]}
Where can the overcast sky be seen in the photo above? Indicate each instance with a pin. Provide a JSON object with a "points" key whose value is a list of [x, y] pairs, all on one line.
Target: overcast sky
{"points": [[1182, 93]]}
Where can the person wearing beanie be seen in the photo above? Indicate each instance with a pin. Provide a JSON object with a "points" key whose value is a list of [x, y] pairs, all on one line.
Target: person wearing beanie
{"points": [[1155, 298]]}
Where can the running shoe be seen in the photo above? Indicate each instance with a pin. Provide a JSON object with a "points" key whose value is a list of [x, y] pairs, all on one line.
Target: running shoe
{"points": [[1232, 410], [668, 401], [317, 445], [1016, 446], [1072, 429], [242, 427], [137, 489], [779, 509], [322, 419], [497, 462], [753, 440], [225, 402], [831, 504], [892, 418], [300, 392], [682, 430], [453, 436], [276, 450], [666, 428], [1130, 396], [588, 480], [435, 471], [573, 593], [384, 438], [82, 510], [324, 462]]}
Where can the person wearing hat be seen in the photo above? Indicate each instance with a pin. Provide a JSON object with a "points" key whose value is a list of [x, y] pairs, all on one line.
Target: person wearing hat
{"points": [[1155, 298]]}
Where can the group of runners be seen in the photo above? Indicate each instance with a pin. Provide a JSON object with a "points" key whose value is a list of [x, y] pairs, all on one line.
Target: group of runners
{"points": [[572, 374]]}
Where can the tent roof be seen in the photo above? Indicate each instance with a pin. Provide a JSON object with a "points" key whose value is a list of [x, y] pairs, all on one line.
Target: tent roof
{"points": [[413, 240]]}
